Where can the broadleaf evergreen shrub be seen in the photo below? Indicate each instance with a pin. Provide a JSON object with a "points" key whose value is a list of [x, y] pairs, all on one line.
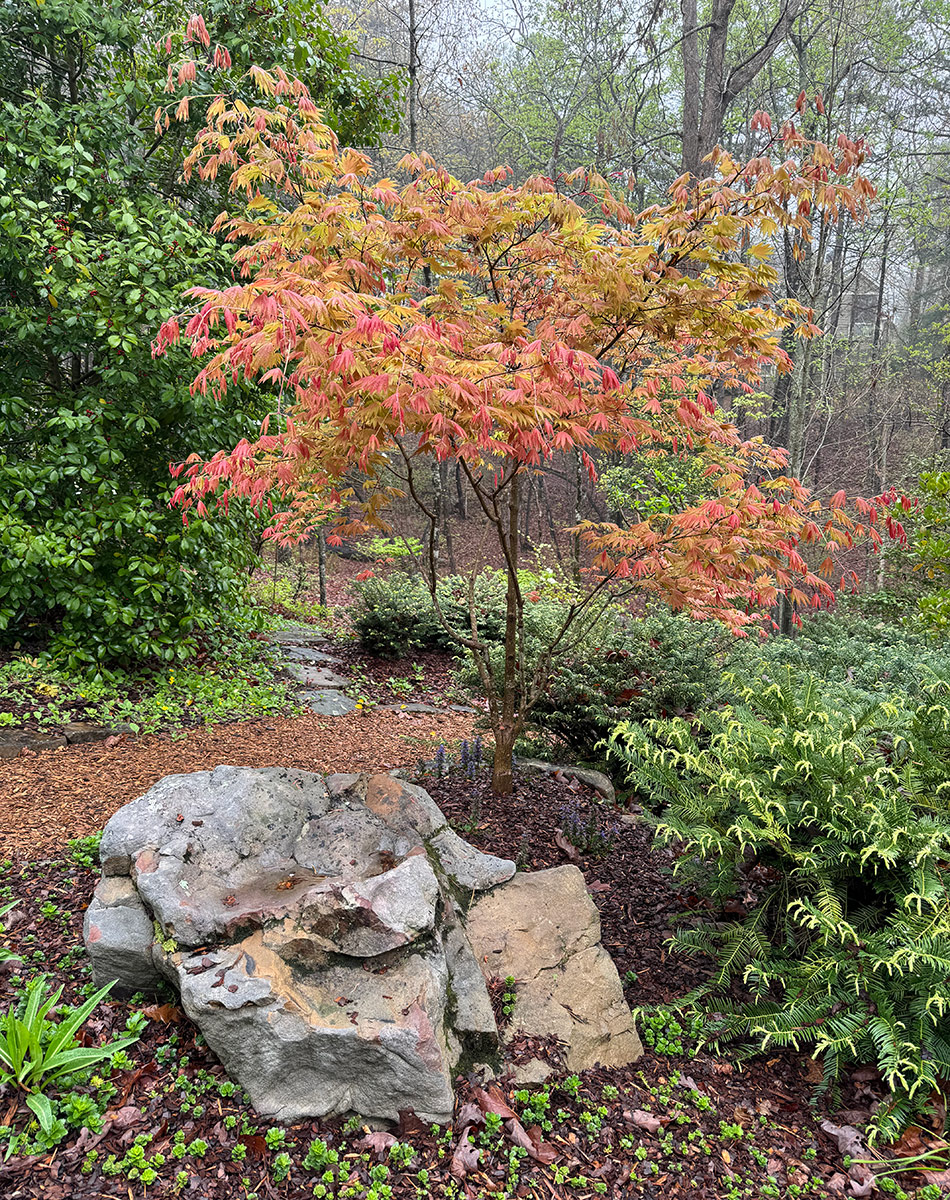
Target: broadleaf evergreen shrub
{"points": [[826, 821]]}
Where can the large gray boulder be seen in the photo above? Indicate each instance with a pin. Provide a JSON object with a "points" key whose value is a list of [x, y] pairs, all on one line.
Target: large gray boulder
{"points": [[316, 930]]}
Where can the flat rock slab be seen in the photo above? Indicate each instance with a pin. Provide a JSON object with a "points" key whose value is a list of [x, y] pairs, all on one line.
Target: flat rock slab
{"points": [[14, 741], [303, 635], [313, 676], [79, 732], [327, 703], [307, 654]]}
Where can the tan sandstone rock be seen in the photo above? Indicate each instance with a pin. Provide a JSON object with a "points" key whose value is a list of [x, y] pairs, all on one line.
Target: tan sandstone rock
{"points": [[543, 929]]}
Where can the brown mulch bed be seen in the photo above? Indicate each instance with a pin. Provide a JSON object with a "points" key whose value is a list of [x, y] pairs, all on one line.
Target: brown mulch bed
{"points": [[47, 798]]}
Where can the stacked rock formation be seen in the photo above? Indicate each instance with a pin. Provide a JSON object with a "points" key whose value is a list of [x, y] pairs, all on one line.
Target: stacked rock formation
{"points": [[331, 936]]}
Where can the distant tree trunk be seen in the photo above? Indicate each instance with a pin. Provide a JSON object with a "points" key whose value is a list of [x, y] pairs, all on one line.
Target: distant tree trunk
{"points": [[576, 537], [444, 515], [322, 565], [461, 495], [552, 527], [705, 108], [689, 49], [413, 78], [438, 507], [526, 523]]}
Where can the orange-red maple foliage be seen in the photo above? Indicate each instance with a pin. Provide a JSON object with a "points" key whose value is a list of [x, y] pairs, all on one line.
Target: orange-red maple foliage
{"points": [[501, 325]]}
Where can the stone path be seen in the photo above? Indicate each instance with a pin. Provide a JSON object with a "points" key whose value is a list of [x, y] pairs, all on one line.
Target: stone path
{"points": [[309, 659]]}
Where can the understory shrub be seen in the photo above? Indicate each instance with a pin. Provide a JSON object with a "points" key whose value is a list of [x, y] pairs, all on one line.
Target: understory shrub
{"points": [[867, 658], [611, 665], [632, 668], [825, 825], [394, 615]]}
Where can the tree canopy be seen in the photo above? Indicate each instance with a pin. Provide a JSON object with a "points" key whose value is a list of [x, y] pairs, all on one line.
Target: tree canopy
{"points": [[500, 326]]}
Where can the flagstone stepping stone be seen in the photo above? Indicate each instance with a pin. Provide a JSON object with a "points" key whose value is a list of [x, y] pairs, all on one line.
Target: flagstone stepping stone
{"points": [[307, 635], [307, 654], [79, 732], [327, 703], [315, 677], [14, 740]]}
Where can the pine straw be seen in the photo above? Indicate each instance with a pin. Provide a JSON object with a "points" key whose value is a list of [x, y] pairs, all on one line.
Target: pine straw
{"points": [[48, 798]]}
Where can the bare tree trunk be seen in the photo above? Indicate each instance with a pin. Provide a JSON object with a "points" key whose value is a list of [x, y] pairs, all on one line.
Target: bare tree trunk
{"points": [[444, 515], [576, 537], [689, 49], [322, 565], [461, 496], [526, 523], [552, 527], [506, 728], [438, 507], [413, 78]]}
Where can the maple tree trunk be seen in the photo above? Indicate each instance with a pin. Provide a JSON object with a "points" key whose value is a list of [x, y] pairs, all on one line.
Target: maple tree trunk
{"points": [[506, 727]]}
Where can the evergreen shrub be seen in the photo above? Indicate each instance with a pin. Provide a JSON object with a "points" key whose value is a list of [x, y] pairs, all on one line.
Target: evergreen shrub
{"points": [[821, 824]]}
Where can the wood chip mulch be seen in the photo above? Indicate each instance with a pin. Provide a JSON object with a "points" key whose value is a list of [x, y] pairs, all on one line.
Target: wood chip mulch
{"points": [[49, 797]]}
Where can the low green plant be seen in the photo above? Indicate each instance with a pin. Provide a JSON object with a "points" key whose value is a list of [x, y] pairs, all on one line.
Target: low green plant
{"points": [[393, 548], [84, 851], [862, 658], [826, 828], [37, 1051], [662, 1030]]}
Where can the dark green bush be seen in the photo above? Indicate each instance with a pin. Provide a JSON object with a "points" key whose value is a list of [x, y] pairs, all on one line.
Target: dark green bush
{"points": [[826, 824], [629, 668], [610, 667], [394, 615]]}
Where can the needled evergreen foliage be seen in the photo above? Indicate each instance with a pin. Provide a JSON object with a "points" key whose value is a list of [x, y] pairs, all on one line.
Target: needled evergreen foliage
{"points": [[824, 829]]}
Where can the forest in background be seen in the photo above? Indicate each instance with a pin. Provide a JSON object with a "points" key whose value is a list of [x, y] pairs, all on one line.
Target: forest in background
{"points": [[643, 92]]}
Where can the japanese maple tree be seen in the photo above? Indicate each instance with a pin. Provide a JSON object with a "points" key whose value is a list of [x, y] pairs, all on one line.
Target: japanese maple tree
{"points": [[501, 326]]}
